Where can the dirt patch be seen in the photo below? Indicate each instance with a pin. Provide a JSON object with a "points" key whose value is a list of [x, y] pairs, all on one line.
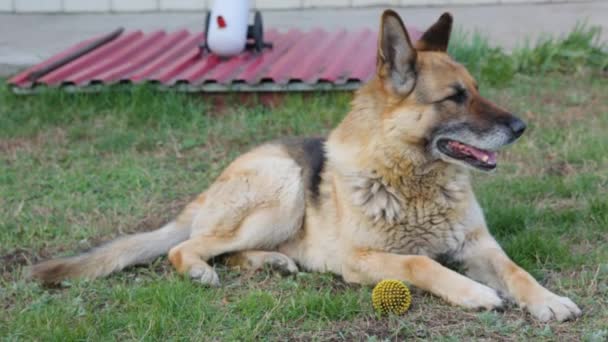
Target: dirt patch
{"points": [[432, 319], [427, 321], [18, 258], [157, 216], [9, 147], [555, 204], [156, 219]]}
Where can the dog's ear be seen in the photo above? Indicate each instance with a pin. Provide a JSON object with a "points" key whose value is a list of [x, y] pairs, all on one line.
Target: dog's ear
{"points": [[437, 37], [396, 55]]}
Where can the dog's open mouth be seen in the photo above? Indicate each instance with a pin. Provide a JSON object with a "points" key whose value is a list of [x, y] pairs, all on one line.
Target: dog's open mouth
{"points": [[476, 157]]}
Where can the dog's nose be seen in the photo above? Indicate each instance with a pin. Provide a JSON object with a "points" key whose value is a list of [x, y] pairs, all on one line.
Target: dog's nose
{"points": [[517, 127]]}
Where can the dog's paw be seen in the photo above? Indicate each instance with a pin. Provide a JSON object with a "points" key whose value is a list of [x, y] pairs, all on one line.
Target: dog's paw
{"points": [[481, 297], [205, 275], [551, 306]]}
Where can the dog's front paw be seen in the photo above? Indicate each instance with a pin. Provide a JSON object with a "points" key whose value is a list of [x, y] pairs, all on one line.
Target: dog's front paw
{"points": [[480, 297], [551, 306]]}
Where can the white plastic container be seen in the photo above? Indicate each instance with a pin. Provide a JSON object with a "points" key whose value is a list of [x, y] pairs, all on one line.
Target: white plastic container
{"points": [[227, 31]]}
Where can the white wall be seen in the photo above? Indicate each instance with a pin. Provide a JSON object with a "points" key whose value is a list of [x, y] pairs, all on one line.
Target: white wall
{"points": [[76, 6]]}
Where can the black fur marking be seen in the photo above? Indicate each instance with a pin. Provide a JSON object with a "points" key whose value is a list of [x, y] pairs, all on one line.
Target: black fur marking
{"points": [[449, 260], [309, 153], [314, 148]]}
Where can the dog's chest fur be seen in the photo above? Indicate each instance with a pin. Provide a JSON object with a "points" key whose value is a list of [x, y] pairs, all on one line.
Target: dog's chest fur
{"points": [[412, 214]]}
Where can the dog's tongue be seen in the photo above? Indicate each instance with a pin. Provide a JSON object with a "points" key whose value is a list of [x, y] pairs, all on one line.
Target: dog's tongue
{"points": [[487, 157]]}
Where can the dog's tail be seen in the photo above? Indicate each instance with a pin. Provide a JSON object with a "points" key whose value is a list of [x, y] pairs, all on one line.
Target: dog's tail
{"points": [[113, 256]]}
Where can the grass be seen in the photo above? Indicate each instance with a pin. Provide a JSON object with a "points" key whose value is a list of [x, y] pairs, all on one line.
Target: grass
{"points": [[81, 169], [580, 50]]}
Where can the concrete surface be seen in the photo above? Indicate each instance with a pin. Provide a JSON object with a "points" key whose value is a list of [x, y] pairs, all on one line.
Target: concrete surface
{"points": [[29, 39]]}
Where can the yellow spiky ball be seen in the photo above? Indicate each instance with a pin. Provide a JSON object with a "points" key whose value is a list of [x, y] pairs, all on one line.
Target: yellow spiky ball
{"points": [[391, 296]]}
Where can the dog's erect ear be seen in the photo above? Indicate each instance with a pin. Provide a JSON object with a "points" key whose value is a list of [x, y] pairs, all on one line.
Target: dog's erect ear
{"points": [[437, 37], [396, 55]]}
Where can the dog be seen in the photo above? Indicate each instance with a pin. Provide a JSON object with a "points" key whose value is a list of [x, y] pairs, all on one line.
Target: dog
{"points": [[385, 195]]}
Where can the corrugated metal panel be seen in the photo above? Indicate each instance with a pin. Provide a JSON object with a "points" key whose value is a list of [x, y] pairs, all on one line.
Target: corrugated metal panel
{"points": [[298, 61]]}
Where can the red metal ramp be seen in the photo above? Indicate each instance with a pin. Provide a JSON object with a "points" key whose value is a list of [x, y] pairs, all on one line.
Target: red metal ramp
{"points": [[299, 61]]}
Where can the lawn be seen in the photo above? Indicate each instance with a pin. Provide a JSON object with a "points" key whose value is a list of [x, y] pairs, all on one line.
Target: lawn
{"points": [[77, 170]]}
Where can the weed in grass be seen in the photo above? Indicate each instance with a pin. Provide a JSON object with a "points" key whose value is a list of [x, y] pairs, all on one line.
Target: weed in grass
{"points": [[578, 51], [488, 64]]}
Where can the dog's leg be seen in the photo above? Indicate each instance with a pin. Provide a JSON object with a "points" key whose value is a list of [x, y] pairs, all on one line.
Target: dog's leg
{"points": [[254, 260], [256, 204], [265, 227], [487, 262], [370, 267], [191, 257]]}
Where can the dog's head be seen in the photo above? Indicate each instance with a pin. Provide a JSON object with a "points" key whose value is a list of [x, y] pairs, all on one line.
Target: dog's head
{"points": [[433, 102]]}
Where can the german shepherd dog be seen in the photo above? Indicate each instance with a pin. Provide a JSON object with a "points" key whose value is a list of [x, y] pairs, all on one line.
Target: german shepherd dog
{"points": [[383, 196]]}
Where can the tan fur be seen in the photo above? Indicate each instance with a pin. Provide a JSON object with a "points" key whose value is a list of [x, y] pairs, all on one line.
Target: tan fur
{"points": [[388, 202]]}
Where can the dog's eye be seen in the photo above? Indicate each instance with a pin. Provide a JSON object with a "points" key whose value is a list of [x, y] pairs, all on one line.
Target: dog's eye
{"points": [[459, 97]]}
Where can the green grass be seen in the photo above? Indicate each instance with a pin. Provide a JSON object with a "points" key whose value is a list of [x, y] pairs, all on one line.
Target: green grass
{"points": [[581, 50], [77, 170]]}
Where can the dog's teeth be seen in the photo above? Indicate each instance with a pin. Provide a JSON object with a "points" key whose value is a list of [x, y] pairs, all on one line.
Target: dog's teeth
{"points": [[485, 158]]}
